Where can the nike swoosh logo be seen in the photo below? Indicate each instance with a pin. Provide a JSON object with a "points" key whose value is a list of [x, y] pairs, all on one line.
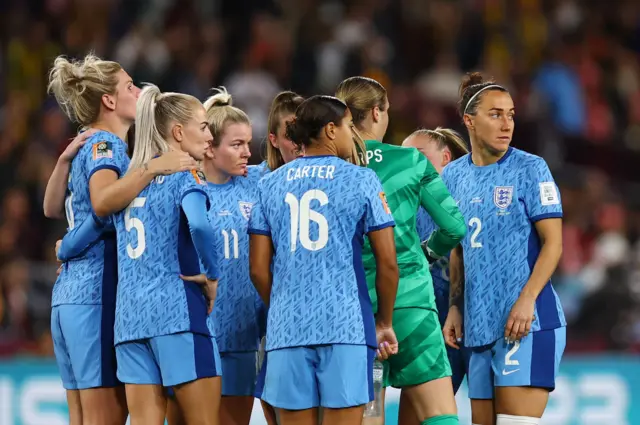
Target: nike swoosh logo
{"points": [[505, 373]]}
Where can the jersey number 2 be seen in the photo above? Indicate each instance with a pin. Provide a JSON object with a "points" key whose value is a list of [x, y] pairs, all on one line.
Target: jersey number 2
{"points": [[302, 214], [131, 223], [476, 225]]}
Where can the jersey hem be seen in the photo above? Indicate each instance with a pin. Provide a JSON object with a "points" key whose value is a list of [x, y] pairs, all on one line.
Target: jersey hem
{"points": [[267, 349], [549, 327], [143, 337]]}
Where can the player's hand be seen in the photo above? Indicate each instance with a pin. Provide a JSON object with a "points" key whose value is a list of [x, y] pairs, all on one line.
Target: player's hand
{"points": [[75, 145], [452, 329], [387, 341], [172, 162], [520, 318], [209, 288]]}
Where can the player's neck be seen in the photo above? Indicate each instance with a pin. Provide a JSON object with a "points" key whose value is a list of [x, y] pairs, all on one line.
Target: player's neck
{"points": [[368, 134], [214, 175], [325, 149], [482, 157], [113, 125]]}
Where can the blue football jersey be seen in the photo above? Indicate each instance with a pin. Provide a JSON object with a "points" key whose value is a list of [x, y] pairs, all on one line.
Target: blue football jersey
{"points": [[154, 248], [91, 278], [317, 211], [235, 313], [501, 203], [439, 269]]}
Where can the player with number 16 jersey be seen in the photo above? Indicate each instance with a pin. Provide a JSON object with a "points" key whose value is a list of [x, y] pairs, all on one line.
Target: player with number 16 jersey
{"points": [[321, 335]]}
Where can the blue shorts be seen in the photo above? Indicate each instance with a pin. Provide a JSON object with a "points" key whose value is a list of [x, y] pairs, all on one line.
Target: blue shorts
{"points": [[83, 344], [334, 376], [168, 359], [532, 362], [239, 372]]}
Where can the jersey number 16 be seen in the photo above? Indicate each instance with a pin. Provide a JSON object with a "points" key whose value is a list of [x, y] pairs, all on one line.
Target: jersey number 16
{"points": [[302, 215]]}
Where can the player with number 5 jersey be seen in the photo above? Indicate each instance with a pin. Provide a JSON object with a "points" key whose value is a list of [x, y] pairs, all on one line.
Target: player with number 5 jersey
{"points": [[313, 212], [512, 316], [162, 328]]}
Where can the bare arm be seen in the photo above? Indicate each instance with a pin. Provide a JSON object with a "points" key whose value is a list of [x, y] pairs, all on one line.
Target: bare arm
{"points": [[456, 278], [54, 194], [110, 194], [550, 233], [521, 315], [260, 255], [384, 250]]}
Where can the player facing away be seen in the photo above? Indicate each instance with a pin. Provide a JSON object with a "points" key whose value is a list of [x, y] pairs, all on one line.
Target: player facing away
{"points": [[421, 368], [280, 150], [162, 327], [440, 146], [513, 319], [313, 214], [96, 94]]}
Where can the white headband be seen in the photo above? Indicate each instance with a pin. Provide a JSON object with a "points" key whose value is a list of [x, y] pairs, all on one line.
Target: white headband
{"points": [[480, 91], [438, 133]]}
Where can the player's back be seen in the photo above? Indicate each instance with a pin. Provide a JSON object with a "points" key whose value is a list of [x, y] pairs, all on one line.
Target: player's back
{"points": [[154, 248], [401, 171], [83, 279], [315, 209], [236, 307], [501, 202]]}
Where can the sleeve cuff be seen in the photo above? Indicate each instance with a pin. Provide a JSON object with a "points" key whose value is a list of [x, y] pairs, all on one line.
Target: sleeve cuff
{"points": [[106, 167], [381, 226], [539, 217], [258, 232]]}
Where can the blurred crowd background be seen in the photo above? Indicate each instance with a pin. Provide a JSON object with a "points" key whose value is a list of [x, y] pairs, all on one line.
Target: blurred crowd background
{"points": [[573, 67]]}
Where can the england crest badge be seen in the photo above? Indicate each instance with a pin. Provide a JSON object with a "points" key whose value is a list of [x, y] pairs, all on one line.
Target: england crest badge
{"points": [[502, 196], [245, 209]]}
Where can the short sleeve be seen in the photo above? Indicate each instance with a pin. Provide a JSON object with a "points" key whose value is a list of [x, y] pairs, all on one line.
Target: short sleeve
{"points": [[192, 181], [542, 196], [377, 212], [106, 152], [258, 224]]}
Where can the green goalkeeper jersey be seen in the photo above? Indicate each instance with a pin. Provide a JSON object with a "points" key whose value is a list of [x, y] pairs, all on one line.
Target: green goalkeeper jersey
{"points": [[409, 180]]}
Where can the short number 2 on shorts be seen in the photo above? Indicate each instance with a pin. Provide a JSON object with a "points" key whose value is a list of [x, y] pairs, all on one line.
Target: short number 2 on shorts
{"points": [[507, 357]]}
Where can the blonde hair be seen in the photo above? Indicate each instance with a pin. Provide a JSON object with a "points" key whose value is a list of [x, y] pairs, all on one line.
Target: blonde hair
{"points": [[445, 138], [78, 86], [285, 103], [221, 112], [361, 94], [154, 111]]}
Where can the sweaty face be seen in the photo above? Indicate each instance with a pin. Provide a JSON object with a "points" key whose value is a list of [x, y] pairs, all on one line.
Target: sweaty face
{"points": [[233, 152], [429, 148], [196, 134], [494, 121], [126, 97], [344, 136], [287, 148]]}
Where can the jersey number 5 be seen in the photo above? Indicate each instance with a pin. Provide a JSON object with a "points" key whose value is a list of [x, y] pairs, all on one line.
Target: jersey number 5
{"points": [[302, 214], [131, 223]]}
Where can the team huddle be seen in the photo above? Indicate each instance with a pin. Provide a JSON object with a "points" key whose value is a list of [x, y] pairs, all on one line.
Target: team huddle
{"points": [[192, 283]]}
